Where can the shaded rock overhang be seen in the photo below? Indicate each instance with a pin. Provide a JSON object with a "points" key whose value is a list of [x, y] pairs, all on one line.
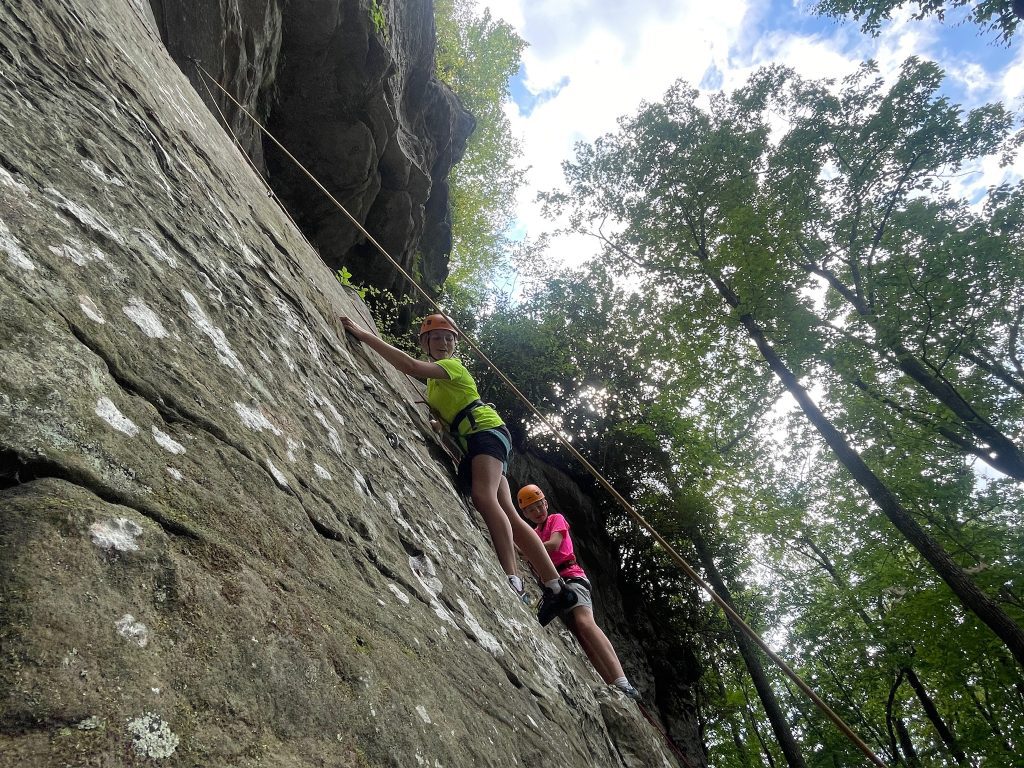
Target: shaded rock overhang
{"points": [[356, 101]]}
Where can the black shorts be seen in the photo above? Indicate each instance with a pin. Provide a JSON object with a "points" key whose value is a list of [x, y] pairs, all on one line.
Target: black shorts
{"points": [[484, 443]]}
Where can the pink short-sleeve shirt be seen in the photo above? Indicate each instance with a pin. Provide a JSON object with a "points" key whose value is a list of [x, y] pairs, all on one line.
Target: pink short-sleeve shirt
{"points": [[555, 523]]}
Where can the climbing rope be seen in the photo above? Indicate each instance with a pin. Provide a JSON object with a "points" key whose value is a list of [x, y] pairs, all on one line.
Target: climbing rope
{"points": [[284, 209], [664, 734], [639, 519]]}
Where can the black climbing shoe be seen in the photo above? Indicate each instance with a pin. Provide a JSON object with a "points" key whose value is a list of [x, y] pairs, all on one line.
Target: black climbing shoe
{"points": [[552, 604]]}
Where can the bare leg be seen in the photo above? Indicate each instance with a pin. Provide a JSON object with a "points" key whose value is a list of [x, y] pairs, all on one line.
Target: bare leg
{"points": [[493, 499], [596, 645], [486, 473]]}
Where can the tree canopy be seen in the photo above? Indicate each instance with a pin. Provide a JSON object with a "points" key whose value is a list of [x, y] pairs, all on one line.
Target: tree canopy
{"points": [[999, 17], [477, 56], [807, 240]]}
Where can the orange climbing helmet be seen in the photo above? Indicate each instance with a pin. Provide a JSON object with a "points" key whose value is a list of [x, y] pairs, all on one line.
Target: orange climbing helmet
{"points": [[529, 494], [437, 323]]}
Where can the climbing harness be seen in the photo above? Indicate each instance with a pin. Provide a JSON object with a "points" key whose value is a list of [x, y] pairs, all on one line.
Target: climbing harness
{"points": [[465, 413], [567, 565], [575, 579], [639, 519]]}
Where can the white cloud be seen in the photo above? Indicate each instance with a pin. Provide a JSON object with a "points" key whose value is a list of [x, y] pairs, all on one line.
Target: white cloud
{"points": [[592, 61], [595, 62], [1012, 83]]}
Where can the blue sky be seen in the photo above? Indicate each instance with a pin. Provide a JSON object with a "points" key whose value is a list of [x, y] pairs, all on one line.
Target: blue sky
{"points": [[590, 61]]}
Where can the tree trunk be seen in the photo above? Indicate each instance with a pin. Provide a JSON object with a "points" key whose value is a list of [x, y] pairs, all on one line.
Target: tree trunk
{"points": [[734, 728], [906, 744], [1004, 455], [976, 601], [986, 713], [748, 713], [777, 718], [933, 715], [930, 710], [1008, 457]]}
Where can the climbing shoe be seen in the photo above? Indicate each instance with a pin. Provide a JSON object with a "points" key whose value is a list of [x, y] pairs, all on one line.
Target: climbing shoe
{"points": [[552, 604], [517, 586], [628, 690]]}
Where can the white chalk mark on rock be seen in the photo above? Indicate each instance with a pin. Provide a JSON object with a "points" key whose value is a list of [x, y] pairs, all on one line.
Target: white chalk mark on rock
{"points": [[119, 534], [107, 411], [144, 317], [487, 641], [155, 247], [131, 629], [424, 571], [167, 442], [332, 433], [8, 180], [90, 310], [215, 334], [10, 245], [279, 478], [95, 169], [360, 483], [443, 613], [77, 254], [83, 215], [254, 419], [399, 593]]}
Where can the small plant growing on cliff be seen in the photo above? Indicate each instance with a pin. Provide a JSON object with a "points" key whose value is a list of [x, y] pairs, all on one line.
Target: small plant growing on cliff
{"points": [[387, 310], [345, 278], [380, 22], [385, 307]]}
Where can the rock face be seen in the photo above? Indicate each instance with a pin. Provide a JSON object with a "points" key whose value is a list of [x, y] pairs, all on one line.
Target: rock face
{"points": [[239, 43], [226, 537], [348, 87]]}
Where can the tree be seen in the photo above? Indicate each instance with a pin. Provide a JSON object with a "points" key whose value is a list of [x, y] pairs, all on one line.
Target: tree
{"points": [[712, 207], [633, 377], [476, 57], [995, 16]]}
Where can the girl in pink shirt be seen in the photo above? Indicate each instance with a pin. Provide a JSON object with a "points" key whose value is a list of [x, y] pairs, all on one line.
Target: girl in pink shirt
{"points": [[553, 530]]}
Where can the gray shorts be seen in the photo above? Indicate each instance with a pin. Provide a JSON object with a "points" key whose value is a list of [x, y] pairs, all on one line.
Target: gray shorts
{"points": [[584, 599]]}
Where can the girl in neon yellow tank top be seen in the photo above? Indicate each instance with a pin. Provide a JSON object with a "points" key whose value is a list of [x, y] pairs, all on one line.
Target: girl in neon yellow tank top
{"points": [[452, 392]]}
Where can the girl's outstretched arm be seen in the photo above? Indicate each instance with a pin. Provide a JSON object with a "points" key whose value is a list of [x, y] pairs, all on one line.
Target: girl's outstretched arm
{"points": [[554, 542], [400, 360]]}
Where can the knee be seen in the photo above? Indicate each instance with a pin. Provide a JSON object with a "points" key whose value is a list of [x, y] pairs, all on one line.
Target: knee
{"points": [[480, 499], [584, 621]]}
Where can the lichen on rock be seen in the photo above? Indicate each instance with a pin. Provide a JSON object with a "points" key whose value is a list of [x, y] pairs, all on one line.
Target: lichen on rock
{"points": [[152, 737]]}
